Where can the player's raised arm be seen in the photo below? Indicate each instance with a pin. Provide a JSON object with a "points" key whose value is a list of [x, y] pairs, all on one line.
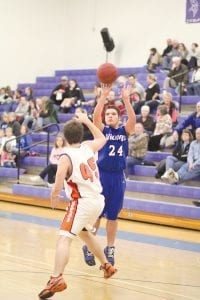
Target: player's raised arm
{"points": [[64, 168], [97, 116], [130, 124], [99, 139]]}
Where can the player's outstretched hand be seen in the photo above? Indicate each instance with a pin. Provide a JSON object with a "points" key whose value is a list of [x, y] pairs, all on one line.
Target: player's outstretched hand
{"points": [[126, 91], [105, 89], [81, 117]]}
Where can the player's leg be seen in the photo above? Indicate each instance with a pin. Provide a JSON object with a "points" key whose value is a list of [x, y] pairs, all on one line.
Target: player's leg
{"points": [[96, 249], [56, 282], [114, 206]]}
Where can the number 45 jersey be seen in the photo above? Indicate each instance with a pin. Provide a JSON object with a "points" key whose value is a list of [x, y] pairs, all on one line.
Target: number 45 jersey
{"points": [[112, 157], [84, 180]]}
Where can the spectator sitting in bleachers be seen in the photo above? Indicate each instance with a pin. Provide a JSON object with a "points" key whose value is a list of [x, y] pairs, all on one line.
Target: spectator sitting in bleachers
{"points": [[154, 60], [23, 144], [183, 53], [193, 121], [97, 93], [193, 56], [168, 57], [137, 91], [47, 113], [151, 95], [50, 170], [4, 120], [112, 100], [178, 157], [6, 99], [30, 119], [74, 97], [168, 48], [9, 140], [60, 92], [14, 124], [146, 120], [28, 93], [177, 77], [7, 158], [189, 170], [167, 100], [163, 126], [137, 144], [2, 139], [17, 95], [193, 88], [21, 109]]}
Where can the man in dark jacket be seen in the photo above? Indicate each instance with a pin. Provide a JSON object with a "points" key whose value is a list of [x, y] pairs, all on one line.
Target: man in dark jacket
{"points": [[60, 92]]}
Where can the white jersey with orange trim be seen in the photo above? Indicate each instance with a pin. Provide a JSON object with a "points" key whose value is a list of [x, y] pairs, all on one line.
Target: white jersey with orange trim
{"points": [[84, 180]]}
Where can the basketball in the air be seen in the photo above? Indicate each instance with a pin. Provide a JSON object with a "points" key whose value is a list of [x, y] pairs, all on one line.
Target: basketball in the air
{"points": [[107, 73]]}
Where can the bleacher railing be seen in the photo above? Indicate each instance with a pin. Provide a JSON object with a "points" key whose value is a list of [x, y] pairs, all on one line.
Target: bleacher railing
{"points": [[46, 129]]}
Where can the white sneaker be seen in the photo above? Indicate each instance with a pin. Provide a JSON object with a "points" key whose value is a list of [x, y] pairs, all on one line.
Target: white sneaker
{"points": [[50, 185], [173, 177], [165, 176], [37, 180]]}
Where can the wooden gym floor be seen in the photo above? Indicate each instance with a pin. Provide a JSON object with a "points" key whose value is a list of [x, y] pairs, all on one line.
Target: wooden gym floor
{"points": [[154, 262]]}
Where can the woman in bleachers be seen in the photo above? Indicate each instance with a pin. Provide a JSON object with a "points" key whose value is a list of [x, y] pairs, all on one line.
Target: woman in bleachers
{"points": [[154, 60], [74, 98], [179, 155], [151, 95], [17, 95], [163, 126], [21, 109], [30, 119], [193, 88], [146, 120], [50, 171], [28, 93], [171, 106], [6, 99], [47, 113], [183, 53]]}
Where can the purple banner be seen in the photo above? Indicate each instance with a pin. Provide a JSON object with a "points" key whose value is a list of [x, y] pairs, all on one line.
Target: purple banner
{"points": [[192, 11]]}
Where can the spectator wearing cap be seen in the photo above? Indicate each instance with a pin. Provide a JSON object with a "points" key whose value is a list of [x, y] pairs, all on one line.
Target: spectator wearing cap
{"points": [[60, 92]]}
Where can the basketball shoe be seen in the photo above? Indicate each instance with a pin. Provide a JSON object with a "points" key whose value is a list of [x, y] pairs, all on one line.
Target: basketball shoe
{"points": [[108, 270], [88, 256], [54, 285], [109, 253]]}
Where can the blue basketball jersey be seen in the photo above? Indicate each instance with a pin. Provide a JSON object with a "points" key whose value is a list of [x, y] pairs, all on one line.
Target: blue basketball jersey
{"points": [[112, 157]]}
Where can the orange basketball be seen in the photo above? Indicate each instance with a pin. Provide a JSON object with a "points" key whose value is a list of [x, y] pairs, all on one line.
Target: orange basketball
{"points": [[107, 73]]}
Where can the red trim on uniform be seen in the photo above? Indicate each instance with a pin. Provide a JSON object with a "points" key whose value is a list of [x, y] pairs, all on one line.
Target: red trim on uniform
{"points": [[69, 216], [75, 192]]}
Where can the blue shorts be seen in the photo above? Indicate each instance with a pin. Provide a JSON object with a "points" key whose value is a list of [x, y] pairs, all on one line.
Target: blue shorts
{"points": [[114, 185]]}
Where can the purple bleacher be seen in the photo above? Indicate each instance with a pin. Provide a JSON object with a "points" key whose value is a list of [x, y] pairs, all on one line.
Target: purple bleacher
{"points": [[158, 207], [75, 72], [163, 189], [36, 161], [35, 191], [189, 100], [65, 117], [150, 171], [10, 172], [41, 148], [164, 208], [37, 137], [156, 156]]}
